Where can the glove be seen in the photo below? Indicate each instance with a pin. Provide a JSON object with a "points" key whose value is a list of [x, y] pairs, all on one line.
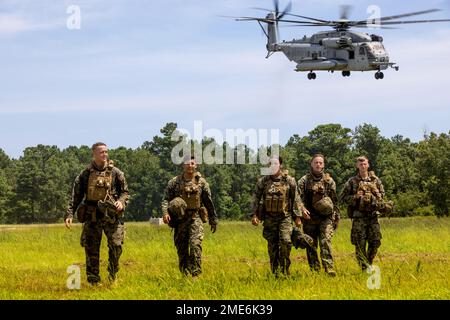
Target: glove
{"points": [[213, 227]]}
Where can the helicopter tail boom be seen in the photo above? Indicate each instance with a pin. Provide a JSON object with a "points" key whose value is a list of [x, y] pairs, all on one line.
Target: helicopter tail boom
{"points": [[272, 35]]}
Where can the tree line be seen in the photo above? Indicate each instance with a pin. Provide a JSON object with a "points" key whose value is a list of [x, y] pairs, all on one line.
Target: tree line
{"points": [[416, 175]]}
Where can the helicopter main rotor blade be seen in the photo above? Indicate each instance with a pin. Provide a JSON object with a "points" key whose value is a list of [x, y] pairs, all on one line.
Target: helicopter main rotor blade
{"points": [[304, 17], [404, 15], [299, 21], [333, 25], [408, 22], [300, 16], [308, 25], [251, 19], [375, 26], [343, 23], [266, 20], [234, 17], [409, 14]]}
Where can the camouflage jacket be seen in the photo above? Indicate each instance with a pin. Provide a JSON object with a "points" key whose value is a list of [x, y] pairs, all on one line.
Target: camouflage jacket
{"points": [[295, 204], [173, 190], [306, 193], [119, 189], [349, 194]]}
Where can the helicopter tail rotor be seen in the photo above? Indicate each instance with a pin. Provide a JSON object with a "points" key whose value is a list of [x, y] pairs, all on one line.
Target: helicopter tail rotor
{"points": [[271, 20], [279, 15], [272, 26]]}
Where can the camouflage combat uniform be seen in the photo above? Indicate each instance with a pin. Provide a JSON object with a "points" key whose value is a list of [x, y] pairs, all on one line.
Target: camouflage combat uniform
{"points": [[92, 185], [363, 210], [277, 203], [312, 188], [188, 226]]}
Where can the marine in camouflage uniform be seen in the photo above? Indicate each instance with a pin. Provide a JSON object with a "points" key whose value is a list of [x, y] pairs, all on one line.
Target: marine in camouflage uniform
{"points": [[317, 190], [364, 195], [186, 206], [276, 202], [104, 185]]}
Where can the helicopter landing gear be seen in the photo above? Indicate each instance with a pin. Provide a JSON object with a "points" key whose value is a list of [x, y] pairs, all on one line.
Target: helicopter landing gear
{"points": [[346, 73], [379, 75], [311, 76]]}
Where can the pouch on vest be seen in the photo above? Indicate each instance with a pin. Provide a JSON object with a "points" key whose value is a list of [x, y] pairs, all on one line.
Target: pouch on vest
{"points": [[191, 195], [368, 201], [275, 198], [98, 185]]}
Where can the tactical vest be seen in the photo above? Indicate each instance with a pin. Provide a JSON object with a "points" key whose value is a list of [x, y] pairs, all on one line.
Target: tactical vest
{"points": [[276, 198], [316, 190], [369, 201], [191, 192], [99, 183]]}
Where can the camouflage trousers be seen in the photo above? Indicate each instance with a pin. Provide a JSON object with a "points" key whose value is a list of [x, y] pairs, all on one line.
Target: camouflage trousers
{"points": [[321, 231], [188, 239], [91, 238], [277, 231], [366, 237]]}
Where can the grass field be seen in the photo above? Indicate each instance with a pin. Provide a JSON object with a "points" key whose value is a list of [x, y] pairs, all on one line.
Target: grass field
{"points": [[414, 262]]}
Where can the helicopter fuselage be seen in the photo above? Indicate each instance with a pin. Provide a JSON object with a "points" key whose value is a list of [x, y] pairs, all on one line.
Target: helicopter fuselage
{"points": [[336, 50]]}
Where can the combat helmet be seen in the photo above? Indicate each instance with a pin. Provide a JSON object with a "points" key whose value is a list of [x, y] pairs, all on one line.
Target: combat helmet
{"points": [[324, 206], [177, 207]]}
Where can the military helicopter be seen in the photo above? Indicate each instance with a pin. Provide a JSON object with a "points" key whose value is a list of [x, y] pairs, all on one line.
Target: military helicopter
{"points": [[334, 50]]}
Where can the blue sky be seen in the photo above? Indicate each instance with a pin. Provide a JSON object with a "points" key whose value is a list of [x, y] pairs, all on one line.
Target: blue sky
{"points": [[135, 65]]}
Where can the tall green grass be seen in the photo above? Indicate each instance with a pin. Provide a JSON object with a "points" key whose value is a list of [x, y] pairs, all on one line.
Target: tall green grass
{"points": [[414, 260]]}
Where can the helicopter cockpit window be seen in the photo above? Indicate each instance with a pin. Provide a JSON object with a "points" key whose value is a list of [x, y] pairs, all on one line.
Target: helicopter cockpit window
{"points": [[362, 52]]}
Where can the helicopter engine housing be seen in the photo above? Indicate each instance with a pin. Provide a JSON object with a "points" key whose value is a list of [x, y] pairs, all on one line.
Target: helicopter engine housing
{"points": [[337, 43]]}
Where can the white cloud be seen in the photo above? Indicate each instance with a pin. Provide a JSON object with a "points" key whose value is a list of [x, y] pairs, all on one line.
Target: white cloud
{"points": [[12, 24]]}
